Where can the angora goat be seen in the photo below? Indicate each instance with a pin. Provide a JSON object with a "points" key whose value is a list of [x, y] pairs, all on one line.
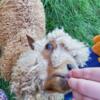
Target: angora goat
{"points": [[36, 65], [41, 72]]}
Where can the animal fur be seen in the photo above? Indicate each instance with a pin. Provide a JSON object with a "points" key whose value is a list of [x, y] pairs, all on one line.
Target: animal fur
{"points": [[36, 65], [35, 70], [18, 18]]}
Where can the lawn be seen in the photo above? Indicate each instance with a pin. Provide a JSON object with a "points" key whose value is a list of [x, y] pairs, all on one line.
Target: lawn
{"points": [[80, 18]]}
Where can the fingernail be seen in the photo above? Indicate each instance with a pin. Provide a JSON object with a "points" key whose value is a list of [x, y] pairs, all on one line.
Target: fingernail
{"points": [[72, 83], [73, 72]]}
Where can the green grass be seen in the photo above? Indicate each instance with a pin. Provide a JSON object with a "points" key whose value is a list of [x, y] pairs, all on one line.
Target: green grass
{"points": [[80, 18], [5, 86]]}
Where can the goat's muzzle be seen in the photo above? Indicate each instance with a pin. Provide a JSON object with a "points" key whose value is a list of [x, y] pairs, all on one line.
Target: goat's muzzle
{"points": [[56, 83]]}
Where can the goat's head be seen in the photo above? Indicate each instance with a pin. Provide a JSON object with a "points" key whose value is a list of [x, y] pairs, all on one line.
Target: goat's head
{"points": [[61, 53]]}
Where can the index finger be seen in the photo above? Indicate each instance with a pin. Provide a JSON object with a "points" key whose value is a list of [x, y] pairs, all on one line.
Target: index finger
{"points": [[86, 73]]}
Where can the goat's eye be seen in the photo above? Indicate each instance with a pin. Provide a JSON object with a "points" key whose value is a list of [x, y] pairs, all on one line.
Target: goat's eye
{"points": [[69, 66], [49, 46]]}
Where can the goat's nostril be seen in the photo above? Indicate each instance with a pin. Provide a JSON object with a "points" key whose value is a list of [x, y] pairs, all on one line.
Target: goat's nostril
{"points": [[69, 66]]}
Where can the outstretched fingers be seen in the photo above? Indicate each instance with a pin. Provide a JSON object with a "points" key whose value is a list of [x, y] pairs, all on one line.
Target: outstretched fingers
{"points": [[86, 73], [87, 88], [78, 96]]}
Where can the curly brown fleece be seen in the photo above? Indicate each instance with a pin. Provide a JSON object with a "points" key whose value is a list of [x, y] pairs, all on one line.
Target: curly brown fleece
{"points": [[17, 19]]}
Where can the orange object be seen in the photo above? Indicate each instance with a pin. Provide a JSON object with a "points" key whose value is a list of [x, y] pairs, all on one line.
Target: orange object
{"points": [[96, 39], [96, 48], [99, 59]]}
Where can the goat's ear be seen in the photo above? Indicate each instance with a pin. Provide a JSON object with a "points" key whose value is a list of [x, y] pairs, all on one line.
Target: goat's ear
{"points": [[30, 41]]}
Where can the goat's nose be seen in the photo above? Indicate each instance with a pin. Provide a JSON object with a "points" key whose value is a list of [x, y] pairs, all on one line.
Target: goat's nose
{"points": [[69, 66]]}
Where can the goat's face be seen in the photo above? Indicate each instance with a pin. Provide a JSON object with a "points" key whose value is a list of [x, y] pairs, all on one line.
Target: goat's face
{"points": [[62, 53]]}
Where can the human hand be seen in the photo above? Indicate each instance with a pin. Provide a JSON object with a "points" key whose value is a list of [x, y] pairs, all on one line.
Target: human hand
{"points": [[85, 83]]}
